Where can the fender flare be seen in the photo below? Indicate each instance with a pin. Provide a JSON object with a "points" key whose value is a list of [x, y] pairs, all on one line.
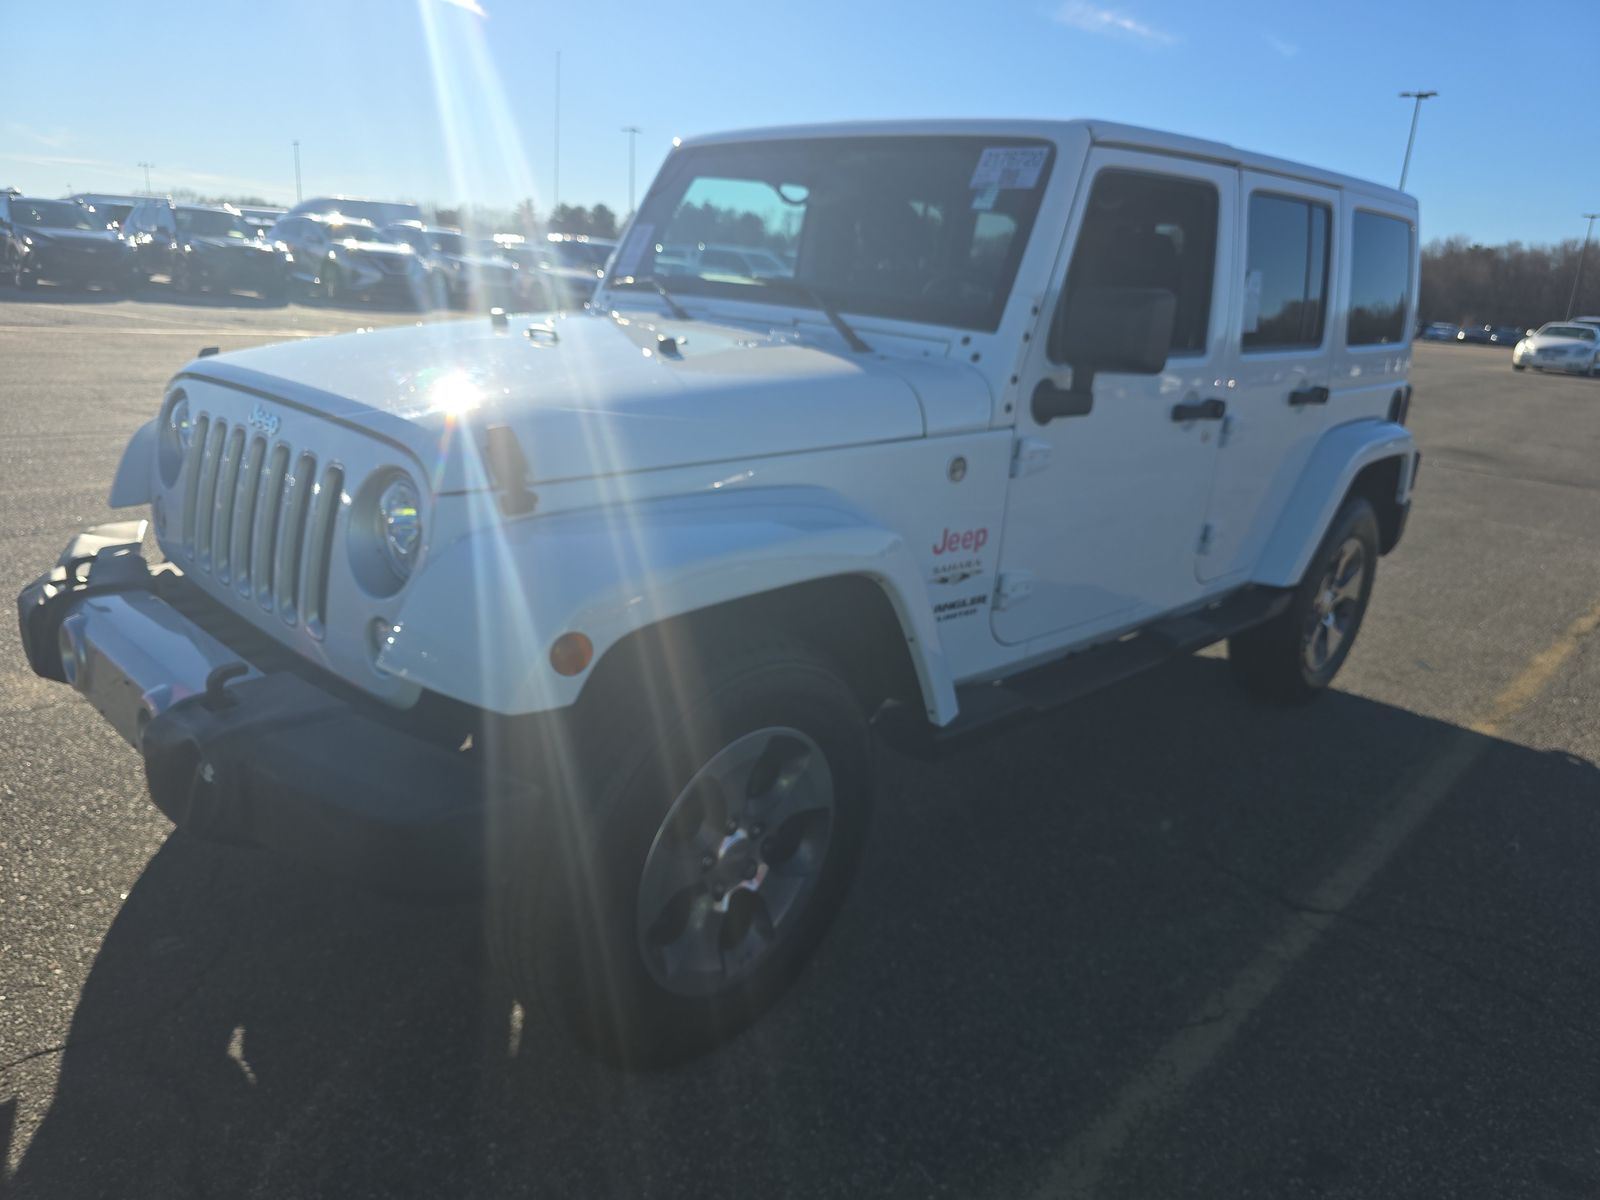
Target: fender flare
{"points": [[1339, 456], [134, 482], [478, 622]]}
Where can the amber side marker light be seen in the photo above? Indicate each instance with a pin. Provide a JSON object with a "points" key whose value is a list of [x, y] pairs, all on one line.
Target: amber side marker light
{"points": [[571, 653]]}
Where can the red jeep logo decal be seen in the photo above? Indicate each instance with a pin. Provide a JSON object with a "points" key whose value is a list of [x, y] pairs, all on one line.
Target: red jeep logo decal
{"points": [[970, 540]]}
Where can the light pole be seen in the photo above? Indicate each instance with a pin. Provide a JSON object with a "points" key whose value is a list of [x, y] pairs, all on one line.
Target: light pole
{"points": [[146, 167], [633, 132], [1416, 112], [1572, 300], [297, 172], [555, 186]]}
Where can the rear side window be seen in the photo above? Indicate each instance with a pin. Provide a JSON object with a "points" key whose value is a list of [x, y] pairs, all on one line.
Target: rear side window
{"points": [[1286, 273], [1150, 231], [1380, 279]]}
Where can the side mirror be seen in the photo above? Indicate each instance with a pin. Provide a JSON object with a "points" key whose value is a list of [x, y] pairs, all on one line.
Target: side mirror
{"points": [[1126, 330]]}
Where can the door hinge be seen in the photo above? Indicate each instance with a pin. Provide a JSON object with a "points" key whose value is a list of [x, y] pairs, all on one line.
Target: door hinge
{"points": [[1012, 588], [1028, 455], [1205, 539]]}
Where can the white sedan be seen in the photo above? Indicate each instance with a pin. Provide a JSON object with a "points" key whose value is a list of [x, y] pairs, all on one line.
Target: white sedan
{"points": [[1570, 347]]}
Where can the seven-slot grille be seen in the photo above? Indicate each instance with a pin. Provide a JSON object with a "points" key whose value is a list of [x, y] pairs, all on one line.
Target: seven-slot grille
{"points": [[259, 520]]}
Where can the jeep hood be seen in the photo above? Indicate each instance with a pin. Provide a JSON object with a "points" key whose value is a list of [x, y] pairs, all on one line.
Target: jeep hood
{"points": [[590, 395]]}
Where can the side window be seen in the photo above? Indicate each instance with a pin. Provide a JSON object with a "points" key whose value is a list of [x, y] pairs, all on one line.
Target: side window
{"points": [[1380, 279], [1286, 273], [1150, 231]]}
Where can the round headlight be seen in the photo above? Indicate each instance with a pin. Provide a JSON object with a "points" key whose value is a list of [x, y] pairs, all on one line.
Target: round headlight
{"points": [[175, 433], [400, 524], [179, 426]]}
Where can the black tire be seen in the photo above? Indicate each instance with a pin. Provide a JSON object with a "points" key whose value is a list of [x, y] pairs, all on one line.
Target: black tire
{"points": [[1518, 367], [276, 293], [183, 279], [21, 280], [332, 285], [568, 871], [1278, 661]]}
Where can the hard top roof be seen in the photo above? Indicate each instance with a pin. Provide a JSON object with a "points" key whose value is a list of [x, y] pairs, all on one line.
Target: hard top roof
{"points": [[1104, 133]]}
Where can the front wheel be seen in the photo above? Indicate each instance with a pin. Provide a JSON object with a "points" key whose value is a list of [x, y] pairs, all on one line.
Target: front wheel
{"points": [[673, 893], [1294, 657], [1518, 367]]}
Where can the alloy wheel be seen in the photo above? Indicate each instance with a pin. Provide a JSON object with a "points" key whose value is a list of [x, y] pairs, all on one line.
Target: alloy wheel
{"points": [[736, 861], [1334, 608]]}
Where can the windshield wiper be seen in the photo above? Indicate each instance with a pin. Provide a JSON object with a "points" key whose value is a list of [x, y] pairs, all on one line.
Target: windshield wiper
{"points": [[654, 281], [805, 292]]}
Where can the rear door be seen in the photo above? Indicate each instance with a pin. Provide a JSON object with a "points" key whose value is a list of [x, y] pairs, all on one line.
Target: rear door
{"points": [[1105, 509], [1278, 404]]}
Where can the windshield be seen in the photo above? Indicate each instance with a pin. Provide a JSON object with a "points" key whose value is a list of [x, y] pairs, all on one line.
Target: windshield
{"points": [[583, 255], [209, 222], [353, 233], [56, 214], [448, 243], [1581, 332], [926, 229]]}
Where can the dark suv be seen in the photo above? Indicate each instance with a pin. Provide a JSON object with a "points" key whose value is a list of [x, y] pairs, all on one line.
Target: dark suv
{"points": [[59, 240], [199, 247]]}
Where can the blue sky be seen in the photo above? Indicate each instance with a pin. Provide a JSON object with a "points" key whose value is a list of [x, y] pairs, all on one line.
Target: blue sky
{"points": [[428, 100]]}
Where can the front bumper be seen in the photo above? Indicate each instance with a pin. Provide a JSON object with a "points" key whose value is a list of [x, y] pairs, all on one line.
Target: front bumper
{"points": [[250, 750], [72, 266]]}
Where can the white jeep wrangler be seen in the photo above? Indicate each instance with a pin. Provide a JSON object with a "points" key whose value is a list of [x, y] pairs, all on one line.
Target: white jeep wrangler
{"points": [[610, 600]]}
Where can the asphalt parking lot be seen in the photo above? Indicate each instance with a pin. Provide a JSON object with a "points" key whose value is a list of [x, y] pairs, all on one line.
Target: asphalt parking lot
{"points": [[1166, 943]]}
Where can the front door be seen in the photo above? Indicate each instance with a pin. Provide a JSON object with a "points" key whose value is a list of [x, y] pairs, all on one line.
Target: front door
{"points": [[1106, 511]]}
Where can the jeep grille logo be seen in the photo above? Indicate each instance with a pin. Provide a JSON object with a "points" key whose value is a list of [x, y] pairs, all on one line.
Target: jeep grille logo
{"points": [[263, 422]]}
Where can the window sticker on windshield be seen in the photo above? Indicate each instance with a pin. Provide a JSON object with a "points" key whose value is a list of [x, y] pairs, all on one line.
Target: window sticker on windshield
{"points": [[632, 250], [983, 201], [1008, 167]]}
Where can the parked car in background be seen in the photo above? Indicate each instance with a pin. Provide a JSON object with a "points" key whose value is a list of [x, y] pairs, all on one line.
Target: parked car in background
{"points": [[379, 212], [1477, 335], [744, 262], [463, 272], [1507, 335], [112, 207], [262, 218], [1440, 331], [199, 247], [340, 258], [573, 265], [61, 241], [1569, 346]]}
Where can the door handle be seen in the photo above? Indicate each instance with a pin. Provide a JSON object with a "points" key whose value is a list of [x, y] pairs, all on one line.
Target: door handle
{"points": [[1200, 410], [1308, 395]]}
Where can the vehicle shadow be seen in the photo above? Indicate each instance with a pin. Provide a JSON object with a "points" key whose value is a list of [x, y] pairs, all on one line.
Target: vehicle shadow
{"points": [[1033, 917], [45, 292]]}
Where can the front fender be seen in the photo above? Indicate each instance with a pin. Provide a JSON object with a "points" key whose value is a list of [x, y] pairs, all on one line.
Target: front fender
{"points": [[135, 482], [477, 624], [1341, 454]]}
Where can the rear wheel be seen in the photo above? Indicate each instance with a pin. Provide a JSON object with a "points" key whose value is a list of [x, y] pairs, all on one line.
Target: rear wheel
{"points": [[672, 894], [332, 283], [1295, 656]]}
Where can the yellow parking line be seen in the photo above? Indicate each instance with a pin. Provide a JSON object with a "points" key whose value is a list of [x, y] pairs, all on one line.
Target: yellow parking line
{"points": [[1537, 673], [1159, 1085]]}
